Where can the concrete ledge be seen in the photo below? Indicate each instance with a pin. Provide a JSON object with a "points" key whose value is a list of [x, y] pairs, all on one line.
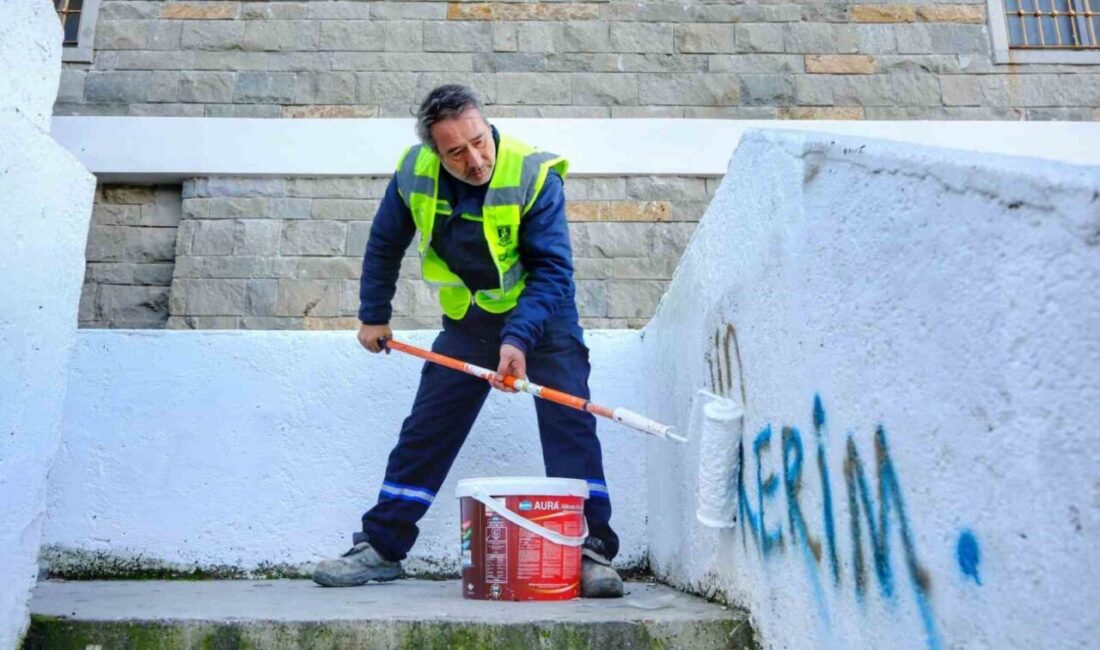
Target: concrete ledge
{"points": [[403, 614]]}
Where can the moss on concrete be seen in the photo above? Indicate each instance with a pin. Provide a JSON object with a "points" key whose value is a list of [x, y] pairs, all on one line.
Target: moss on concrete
{"points": [[55, 633]]}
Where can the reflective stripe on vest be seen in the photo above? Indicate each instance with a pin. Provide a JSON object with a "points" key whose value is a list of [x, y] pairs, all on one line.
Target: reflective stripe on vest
{"points": [[518, 176]]}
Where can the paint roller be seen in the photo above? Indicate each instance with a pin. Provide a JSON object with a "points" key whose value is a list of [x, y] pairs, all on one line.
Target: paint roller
{"points": [[721, 422]]}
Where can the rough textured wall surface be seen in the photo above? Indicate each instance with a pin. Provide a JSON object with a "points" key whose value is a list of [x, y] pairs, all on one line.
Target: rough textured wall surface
{"points": [[789, 59], [130, 256], [232, 452], [45, 202], [915, 335], [287, 253]]}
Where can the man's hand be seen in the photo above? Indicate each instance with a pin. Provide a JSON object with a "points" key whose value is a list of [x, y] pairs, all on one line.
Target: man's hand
{"points": [[369, 335], [512, 362]]}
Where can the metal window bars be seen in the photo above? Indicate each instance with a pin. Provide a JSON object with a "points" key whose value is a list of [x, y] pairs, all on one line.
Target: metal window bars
{"points": [[1053, 24], [69, 12]]}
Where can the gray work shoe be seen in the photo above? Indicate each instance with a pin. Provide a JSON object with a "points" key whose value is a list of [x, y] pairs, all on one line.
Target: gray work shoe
{"points": [[598, 579], [358, 566]]}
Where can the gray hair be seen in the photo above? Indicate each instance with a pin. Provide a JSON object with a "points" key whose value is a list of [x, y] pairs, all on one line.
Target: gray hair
{"points": [[445, 102]]}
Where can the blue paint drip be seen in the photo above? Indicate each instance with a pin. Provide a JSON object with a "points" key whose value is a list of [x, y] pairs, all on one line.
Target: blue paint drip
{"points": [[744, 508], [769, 540], [826, 489], [819, 412], [968, 555], [792, 481]]}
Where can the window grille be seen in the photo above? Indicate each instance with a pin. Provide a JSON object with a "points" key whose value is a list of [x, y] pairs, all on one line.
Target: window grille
{"points": [[1053, 24], [69, 11], [78, 19]]}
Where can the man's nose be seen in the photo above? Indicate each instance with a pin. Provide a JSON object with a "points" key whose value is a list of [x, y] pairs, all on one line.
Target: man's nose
{"points": [[474, 158]]}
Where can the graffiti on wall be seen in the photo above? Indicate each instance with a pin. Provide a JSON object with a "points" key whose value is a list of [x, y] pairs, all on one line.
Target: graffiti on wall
{"points": [[869, 505]]}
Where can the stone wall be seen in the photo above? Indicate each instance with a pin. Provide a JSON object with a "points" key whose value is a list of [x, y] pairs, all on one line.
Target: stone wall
{"points": [[286, 253], [800, 60], [130, 255]]}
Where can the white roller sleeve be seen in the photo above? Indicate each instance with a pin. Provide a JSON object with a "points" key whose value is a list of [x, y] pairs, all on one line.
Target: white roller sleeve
{"points": [[722, 420], [546, 533]]}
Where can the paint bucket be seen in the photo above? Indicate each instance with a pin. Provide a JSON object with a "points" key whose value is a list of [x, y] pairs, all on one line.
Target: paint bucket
{"points": [[522, 537]]}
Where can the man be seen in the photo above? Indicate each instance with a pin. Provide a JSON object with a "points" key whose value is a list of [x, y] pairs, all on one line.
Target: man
{"points": [[490, 212]]}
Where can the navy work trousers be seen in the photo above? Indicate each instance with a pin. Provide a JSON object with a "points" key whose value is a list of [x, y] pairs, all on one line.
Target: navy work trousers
{"points": [[448, 402]]}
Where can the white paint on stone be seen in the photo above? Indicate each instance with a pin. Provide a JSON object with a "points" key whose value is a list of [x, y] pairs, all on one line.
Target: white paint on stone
{"points": [[244, 449], [45, 206], [163, 149], [948, 298]]}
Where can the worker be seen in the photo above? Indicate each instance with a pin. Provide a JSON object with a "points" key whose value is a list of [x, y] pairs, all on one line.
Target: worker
{"points": [[490, 212]]}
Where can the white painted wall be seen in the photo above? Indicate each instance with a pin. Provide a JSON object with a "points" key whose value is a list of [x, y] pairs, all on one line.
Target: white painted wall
{"points": [[244, 449], [950, 299], [171, 148], [45, 206]]}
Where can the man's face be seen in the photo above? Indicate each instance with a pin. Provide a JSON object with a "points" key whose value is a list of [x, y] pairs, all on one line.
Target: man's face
{"points": [[466, 147]]}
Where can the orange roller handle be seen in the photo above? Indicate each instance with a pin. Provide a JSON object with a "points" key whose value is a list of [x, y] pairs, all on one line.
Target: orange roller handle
{"points": [[620, 415]]}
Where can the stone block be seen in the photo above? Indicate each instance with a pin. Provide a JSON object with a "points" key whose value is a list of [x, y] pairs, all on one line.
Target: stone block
{"points": [[670, 239], [274, 10], [86, 312], [133, 306], [348, 187], [408, 10], [325, 88], [223, 186], [214, 238], [122, 35], [644, 268], [840, 64], [356, 35], [126, 87], [755, 63], [231, 60], [285, 208], [206, 87], [505, 37], [869, 90], [813, 91], [528, 88], [150, 60], [882, 13], [130, 10], [810, 38], [539, 37], [960, 39], [915, 38], [257, 237], [874, 39], [681, 89], [165, 37], [189, 267], [282, 35], [592, 298], [759, 37], [203, 322], [235, 208], [603, 239], [585, 37], [269, 323], [602, 187], [358, 234], [344, 209], [641, 37], [328, 268], [112, 214], [109, 272], [471, 36], [167, 110], [185, 234], [261, 297], [71, 88], [159, 275], [968, 13], [707, 38], [590, 268], [200, 11], [164, 211], [318, 298], [486, 84], [960, 90], [204, 297], [767, 89], [393, 88], [605, 89], [916, 89], [639, 211], [313, 238], [243, 110], [212, 35], [634, 298], [265, 87], [404, 36], [328, 111], [666, 188]]}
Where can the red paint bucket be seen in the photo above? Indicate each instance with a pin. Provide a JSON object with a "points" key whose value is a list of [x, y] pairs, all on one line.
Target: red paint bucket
{"points": [[522, 537]]}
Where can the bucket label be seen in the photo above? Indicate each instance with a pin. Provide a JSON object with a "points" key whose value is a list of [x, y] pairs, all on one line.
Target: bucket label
{"points": [[506, 562]]}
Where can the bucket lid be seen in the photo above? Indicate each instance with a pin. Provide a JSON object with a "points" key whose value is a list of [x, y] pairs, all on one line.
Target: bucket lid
{"points": [[497, 486]]}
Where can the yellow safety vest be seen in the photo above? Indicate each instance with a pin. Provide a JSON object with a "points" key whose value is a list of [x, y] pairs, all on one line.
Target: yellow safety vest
{"points": [[518, 177]]}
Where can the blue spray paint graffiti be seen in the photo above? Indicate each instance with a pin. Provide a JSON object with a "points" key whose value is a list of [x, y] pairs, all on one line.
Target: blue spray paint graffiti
{"points": [[968, 555], [878, 509]]}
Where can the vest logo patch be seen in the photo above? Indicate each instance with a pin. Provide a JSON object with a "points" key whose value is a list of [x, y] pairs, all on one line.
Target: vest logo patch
{"points": [[504, 235]]}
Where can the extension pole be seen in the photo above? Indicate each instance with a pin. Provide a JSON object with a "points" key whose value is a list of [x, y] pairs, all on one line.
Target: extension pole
{"points": [[620, 415]]}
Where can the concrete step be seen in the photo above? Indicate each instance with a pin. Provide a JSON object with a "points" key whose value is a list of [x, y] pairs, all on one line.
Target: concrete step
{"points": [[417, 614]]}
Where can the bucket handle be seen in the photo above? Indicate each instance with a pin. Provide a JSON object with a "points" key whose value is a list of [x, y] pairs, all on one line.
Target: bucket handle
{"points": [[527, 524]]}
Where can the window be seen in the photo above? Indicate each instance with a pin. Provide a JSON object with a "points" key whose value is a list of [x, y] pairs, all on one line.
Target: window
{"points": [[78, 19]]}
